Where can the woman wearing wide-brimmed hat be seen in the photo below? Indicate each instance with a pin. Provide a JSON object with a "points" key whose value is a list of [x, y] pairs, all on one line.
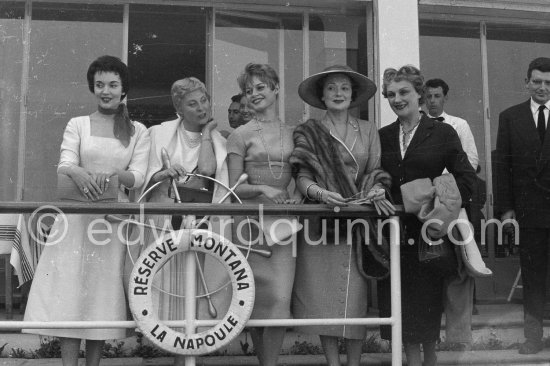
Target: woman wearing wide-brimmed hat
{"points": [[336, 157]]}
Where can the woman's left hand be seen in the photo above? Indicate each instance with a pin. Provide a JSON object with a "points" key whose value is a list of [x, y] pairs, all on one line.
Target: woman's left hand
{"points": [[208, 127], [276, 195], [102, 180], [294, 200], [378, 198]]}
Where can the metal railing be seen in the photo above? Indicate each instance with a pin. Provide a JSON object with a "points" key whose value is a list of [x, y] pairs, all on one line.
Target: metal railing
{"points": [[227, 210]]}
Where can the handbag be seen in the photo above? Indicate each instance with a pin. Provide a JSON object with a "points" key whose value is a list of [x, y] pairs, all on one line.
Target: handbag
{"points": [[193, 189], [372, 253], [438, 255], [191, 195], [67, 190]]}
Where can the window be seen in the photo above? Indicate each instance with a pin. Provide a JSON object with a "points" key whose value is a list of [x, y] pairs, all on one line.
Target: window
{"points": [[243, 37], [166, 43], [11, 49], [65, 38], [278, 39]]}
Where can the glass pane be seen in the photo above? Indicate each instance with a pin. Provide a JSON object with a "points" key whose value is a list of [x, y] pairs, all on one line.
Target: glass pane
{"points": [[460, 67], [65, 39], [11, 60], [245, 37], [338, 39], [166, 43]]}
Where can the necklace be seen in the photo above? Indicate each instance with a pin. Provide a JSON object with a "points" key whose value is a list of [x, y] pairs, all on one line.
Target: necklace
{"points": [[190, 141], [272, 163], [407, 136]]}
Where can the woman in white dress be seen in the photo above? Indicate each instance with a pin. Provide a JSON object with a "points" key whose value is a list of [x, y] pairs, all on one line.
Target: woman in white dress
{"points": [[80, 275]]}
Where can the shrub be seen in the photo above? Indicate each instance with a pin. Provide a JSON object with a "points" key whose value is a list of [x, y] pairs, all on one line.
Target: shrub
{"points": [[305, 348], [113, 351]]}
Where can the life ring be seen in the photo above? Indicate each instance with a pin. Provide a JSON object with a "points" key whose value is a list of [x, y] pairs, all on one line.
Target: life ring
{"points": [[141, 285]]}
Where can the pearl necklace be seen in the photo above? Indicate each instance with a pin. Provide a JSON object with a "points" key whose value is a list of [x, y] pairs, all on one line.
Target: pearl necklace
{"points": [[272, 163], [191, 142]]}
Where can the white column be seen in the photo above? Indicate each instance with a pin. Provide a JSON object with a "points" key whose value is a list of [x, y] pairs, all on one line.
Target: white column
{"points": [[397, 36]]}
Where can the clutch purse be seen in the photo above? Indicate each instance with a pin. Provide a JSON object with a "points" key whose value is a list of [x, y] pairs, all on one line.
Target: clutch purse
{"points": [[191, 195], [67, 190], [440, 258]]}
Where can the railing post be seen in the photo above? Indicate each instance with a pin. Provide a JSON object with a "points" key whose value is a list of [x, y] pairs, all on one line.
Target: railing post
{"points": [[395, 270], [190, 300]]}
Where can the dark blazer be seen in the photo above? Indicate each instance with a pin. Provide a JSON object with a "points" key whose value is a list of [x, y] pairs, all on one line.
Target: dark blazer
{"points": [[522, 168], [434, 147]]}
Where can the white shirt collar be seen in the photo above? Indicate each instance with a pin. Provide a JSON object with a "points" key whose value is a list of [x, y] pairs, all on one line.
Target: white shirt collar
{"points": [[443, 114], [535, 106]]}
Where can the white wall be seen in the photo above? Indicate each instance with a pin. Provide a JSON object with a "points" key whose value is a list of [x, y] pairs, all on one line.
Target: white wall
{"points": [[396, 26]]}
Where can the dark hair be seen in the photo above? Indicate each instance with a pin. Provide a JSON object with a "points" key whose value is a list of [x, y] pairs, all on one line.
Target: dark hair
{"points": [[436, 83], [264, 72], [408, 73], [236, 98], [321, 85], [109, 64], [123, 128], [541, 64]]}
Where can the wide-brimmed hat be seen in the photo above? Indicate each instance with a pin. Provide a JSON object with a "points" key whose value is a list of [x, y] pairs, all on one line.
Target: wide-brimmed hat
{"points": [[309, 88]]}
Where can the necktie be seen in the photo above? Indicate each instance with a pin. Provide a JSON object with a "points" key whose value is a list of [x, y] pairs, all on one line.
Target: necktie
{"points": [[440, 119], [541, 123]]}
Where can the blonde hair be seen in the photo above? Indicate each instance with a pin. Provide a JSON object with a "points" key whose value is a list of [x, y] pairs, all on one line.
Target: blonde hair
{"points": [[264, 72], [408, 73], [182, 87]]}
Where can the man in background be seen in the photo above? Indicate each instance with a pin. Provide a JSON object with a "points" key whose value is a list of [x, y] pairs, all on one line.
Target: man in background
{"points": [[233, 114], [523, 186], [436, 97]]}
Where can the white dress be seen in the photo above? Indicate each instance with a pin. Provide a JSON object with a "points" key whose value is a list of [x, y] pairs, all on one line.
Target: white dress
{"points": [[77, 279]]}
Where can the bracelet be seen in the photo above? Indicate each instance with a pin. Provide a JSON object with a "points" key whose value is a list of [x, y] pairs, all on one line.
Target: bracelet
{"points": [[307, 190], [319, 195]]}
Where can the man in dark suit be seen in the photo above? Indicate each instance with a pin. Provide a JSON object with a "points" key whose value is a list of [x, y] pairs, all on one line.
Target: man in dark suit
{"points": [[523, 181]]}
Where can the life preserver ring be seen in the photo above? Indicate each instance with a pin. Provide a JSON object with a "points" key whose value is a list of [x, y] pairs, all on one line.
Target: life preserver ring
{"points": [[141, 299]]}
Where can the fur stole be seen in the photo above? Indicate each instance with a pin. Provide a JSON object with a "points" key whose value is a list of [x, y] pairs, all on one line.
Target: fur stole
{"points": [[316, 150]]}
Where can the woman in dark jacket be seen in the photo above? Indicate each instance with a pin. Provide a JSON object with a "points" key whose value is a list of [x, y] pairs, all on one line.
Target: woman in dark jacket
{"points": [[414, 147]]}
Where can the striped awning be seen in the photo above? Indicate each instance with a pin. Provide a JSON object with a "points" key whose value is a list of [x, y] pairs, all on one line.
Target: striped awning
{"points": [[14, 240]]}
